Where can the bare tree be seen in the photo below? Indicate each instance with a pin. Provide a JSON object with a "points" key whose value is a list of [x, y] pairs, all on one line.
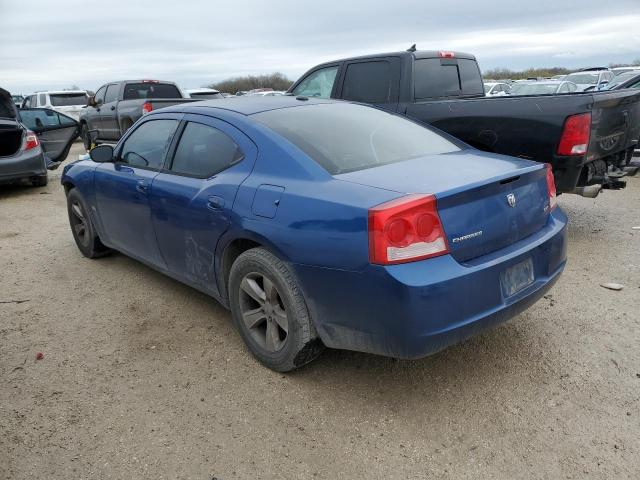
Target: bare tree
{"points": [[277, 81]]}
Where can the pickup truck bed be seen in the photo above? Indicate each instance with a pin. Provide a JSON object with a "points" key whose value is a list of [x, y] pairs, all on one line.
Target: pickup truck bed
{"points": [[445, 90]]}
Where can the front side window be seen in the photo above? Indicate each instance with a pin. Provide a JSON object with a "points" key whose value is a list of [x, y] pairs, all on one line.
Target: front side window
{"points": [[204, 151], [318, 84], [345, 137], [99, 96], [147, 146], [368, 82]]}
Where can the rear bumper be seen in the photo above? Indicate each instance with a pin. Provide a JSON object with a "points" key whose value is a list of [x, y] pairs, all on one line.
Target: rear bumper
{"points": [[416, 309], [24, 165]]}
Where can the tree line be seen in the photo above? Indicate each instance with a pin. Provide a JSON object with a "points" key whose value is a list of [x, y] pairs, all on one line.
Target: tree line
{"points": [[276, 80]]}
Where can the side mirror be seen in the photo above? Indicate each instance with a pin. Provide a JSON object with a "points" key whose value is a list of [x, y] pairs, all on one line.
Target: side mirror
{"points": [[102, 154]]}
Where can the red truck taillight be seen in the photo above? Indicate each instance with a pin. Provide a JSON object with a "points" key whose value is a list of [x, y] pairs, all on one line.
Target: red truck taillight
{"points": [[147, 107], [575, 135], [405, 230], [551, 187], [30, 140]]}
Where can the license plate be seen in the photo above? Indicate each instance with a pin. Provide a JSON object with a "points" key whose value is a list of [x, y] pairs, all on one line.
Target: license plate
{"points": [[515, 278]]}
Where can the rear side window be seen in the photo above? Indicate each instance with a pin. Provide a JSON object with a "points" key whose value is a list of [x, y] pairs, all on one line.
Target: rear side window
{"points": [[442, 77], [204, 151], [368, 82], [318, 84], [112, 93], [135, 91], [42, 100], [147, 146], [68, 99], [44, 119], [345, 137]]}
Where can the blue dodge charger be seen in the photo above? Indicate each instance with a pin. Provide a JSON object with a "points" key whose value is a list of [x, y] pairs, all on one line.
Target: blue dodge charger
{"points": [[323, 223]]}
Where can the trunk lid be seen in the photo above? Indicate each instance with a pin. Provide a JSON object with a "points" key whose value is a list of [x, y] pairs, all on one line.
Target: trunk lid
{"points": [[485, 201], [7, 107]]}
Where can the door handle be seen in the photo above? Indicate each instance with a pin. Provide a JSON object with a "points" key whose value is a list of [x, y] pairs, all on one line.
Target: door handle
{"points": [[215, 203], [142, 186], [97, 109], [113, 107]]}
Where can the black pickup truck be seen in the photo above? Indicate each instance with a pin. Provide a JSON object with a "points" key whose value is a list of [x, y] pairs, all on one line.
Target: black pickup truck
{"points": [[117, 105], [588, 138]]}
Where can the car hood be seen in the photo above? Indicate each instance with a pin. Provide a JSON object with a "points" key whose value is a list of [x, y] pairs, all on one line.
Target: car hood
{"points": [[7, 107]]}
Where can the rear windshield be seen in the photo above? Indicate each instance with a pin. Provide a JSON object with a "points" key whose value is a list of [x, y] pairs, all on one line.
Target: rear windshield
{"points": [[444, 77], [67, 99], [135, 91], [344, 137], [206, 95]]}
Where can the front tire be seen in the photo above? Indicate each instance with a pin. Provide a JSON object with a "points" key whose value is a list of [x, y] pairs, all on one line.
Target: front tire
{"points": [[86, 138], [82, 228], [270, 312]]}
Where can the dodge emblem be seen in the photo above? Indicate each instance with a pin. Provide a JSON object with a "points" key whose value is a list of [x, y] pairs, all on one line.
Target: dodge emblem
{"points": [[511, 200]]}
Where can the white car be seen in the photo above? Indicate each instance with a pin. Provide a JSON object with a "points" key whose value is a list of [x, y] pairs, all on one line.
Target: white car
{"points": [[590, 79], [618, 70], [496, 89], [203, 93], [270, 93], [68, 102]]}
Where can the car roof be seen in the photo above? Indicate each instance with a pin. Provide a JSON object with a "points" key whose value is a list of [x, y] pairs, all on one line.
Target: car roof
{"points": [[418, 54], [202, 90], [60, 92], [248, 105]]}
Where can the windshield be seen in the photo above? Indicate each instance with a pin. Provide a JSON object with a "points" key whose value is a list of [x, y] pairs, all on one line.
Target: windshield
{"points": [[135, 91], [68, 99], [583, 78], [344, 137], [487, 87], [534, 88], [443, 77], [17, 98]]}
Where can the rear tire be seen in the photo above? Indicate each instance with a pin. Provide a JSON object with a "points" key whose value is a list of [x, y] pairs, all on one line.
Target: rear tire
{"points": [[82, 228], [270, 312]]}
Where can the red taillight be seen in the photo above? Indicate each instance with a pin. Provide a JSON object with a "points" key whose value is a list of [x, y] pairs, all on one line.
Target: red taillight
{"points": [[575, 135], [551, 187], [30, 140], [146, 107], [447, 54], [405, 230], [150, 81]]}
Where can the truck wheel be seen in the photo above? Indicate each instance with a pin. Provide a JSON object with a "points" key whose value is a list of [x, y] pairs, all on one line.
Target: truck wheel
{"points": [[82, 228], [86, 139], [270, 312]]}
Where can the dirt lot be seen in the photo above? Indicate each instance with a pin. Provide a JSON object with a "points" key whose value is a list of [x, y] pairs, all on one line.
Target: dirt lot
{"points": [[143, 377]]}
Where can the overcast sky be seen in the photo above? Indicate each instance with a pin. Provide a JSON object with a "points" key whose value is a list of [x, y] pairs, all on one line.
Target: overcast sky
{"points": [[46, 44]]}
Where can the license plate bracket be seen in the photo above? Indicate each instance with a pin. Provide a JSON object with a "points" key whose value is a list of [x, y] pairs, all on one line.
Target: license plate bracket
{"points": [[517, 277]]}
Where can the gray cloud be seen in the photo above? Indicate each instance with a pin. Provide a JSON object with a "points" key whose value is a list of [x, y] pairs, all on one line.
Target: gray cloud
{"points": [[57, 44]]}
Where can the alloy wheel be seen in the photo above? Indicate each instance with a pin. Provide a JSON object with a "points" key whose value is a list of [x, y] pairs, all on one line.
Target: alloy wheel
{"points": [[263, 312]]}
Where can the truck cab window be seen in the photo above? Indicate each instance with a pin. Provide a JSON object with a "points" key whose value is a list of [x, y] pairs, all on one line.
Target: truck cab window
{"points": [[368, 82], [112, 94], [318, 84]]}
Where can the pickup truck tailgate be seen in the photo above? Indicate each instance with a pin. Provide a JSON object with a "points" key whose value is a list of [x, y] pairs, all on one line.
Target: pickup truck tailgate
{"points": [[615, 122]]}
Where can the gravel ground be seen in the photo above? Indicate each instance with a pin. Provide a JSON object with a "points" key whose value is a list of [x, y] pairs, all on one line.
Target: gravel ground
{"points": [[143, 377]]}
